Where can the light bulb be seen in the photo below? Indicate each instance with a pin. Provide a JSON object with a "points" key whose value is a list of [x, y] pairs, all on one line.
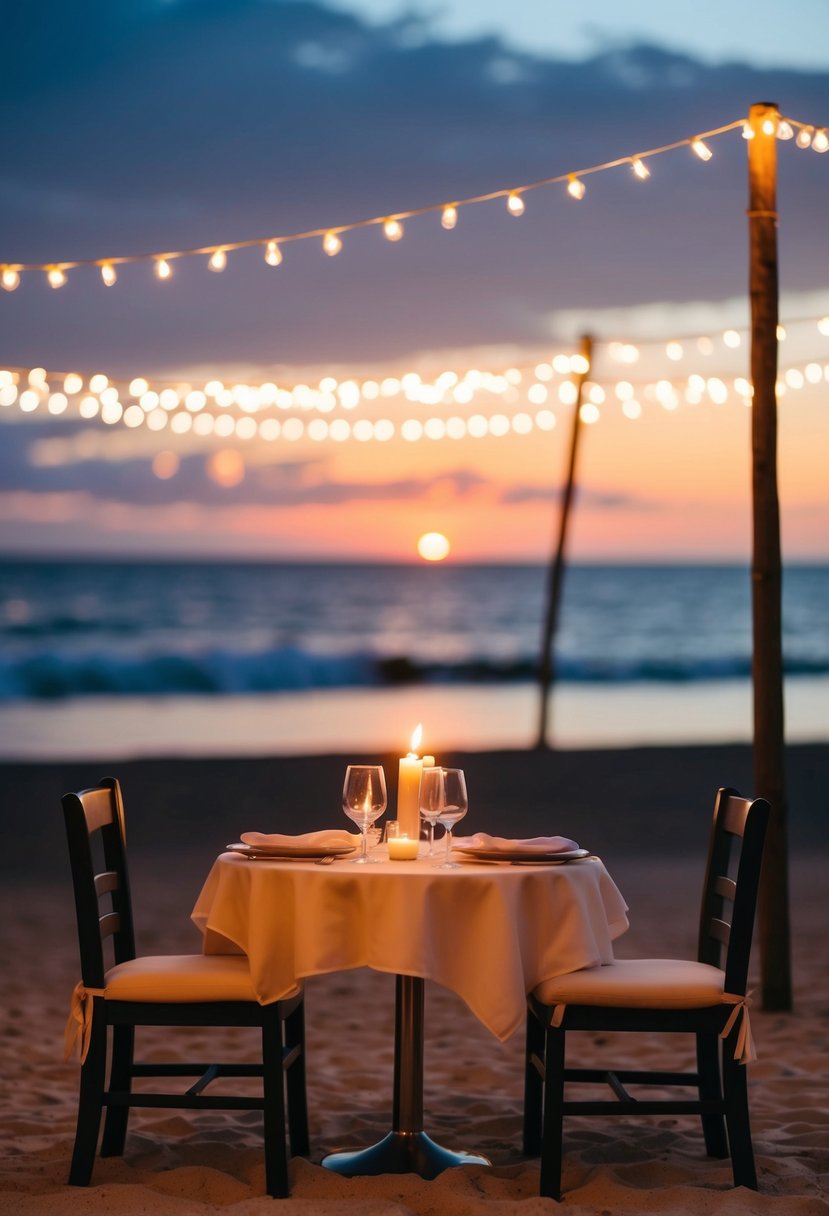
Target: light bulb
{"points": [[218, 260], [108, 274], [10, 278], [162, 268], [640, 169], [784, 130], [804, 137], [748, 131], [273, 254], [449, 217], [392, 230], [332, 244], [575, 187], [702, 150], [28, 401], [56, 277], [515, 204], [769, 126], [820, 142]]}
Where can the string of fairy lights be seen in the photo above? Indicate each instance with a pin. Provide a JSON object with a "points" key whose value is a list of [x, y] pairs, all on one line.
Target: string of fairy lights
{"points": [[510, 401], [472, 403], [805, 135]]}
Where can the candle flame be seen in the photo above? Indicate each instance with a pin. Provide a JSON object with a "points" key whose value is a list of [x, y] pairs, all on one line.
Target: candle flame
{"points": [[417, 735]]}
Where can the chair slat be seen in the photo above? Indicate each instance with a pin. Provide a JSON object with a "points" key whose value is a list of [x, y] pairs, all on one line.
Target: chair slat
{"points": [[726, 887], [110, 924], [97, 805], [736, 813], [720, 930], [108, 881]]}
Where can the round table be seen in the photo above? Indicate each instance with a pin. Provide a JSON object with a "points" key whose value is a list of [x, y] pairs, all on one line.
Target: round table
{"points": [[490, 933]]}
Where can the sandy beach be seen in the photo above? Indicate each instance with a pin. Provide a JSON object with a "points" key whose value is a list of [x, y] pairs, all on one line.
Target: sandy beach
{"points": [[645, 810]]}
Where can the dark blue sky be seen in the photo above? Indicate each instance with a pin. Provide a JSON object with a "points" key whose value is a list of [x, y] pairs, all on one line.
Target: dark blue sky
{"points": [[138, 126]]}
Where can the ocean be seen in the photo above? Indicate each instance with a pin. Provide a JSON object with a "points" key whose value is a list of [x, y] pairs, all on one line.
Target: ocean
{"points": [[131, 658]]}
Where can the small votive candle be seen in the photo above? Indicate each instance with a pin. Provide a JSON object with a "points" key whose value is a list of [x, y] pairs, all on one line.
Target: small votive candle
{"points": [[401, 845], [403, 848]]}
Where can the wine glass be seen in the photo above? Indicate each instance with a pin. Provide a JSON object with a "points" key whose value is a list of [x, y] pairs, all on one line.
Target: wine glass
{"points": [[454, 805], [364, 800], [431, 801]]}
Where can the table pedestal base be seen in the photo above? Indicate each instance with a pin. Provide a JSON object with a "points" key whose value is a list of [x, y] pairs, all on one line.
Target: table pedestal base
{"points": [[406, 1149], [401, 1153]]}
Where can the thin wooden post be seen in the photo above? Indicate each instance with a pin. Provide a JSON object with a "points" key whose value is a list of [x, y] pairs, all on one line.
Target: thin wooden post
{"points": [[766, 569], [555, 578]]}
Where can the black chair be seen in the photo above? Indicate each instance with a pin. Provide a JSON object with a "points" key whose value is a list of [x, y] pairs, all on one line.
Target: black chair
{"points": [[164, 990], [706, 998]]}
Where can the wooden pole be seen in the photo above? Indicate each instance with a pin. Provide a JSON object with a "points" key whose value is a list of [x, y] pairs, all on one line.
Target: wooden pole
{"points": [[766, 571], [555, 578]]}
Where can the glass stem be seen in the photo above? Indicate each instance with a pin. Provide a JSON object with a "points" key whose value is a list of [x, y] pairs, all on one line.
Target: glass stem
{"points": [[448, 843], [364, 842], [431, 827]]}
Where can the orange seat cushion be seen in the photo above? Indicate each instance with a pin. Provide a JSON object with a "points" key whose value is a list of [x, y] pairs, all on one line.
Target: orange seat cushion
{"points": [[182, 978], [642, 983]]}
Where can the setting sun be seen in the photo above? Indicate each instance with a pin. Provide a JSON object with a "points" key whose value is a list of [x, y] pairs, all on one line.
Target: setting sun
{"points": [[433, 546]]}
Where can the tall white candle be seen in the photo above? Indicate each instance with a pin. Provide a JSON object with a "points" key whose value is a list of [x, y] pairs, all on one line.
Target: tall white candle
{"points": [[408, 789]]}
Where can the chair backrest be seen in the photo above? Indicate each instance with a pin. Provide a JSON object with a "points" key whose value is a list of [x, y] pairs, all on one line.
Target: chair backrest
{"points": [[95, 827], [732, 878]]}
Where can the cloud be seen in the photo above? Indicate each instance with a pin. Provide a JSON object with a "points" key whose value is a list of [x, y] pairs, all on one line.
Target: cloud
{"points": [[56, 458], [586, 497], [666, 317]]}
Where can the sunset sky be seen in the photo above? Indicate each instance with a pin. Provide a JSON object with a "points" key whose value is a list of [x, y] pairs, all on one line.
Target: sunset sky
{"points": [[149, 127]]}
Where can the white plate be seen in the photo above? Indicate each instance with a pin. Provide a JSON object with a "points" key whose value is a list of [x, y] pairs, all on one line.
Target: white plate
{"points": [[298, 852], [522, 855]]}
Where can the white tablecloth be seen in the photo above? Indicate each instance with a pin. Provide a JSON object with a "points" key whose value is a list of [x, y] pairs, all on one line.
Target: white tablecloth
{"points": [[488, 933]]}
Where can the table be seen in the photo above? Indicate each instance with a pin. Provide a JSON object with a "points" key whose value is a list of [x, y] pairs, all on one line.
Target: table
{"points": [[490, 933]]}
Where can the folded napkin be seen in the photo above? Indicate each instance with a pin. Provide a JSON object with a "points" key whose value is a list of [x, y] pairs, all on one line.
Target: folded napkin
{"points": [[502, 844], [334, 838]]}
